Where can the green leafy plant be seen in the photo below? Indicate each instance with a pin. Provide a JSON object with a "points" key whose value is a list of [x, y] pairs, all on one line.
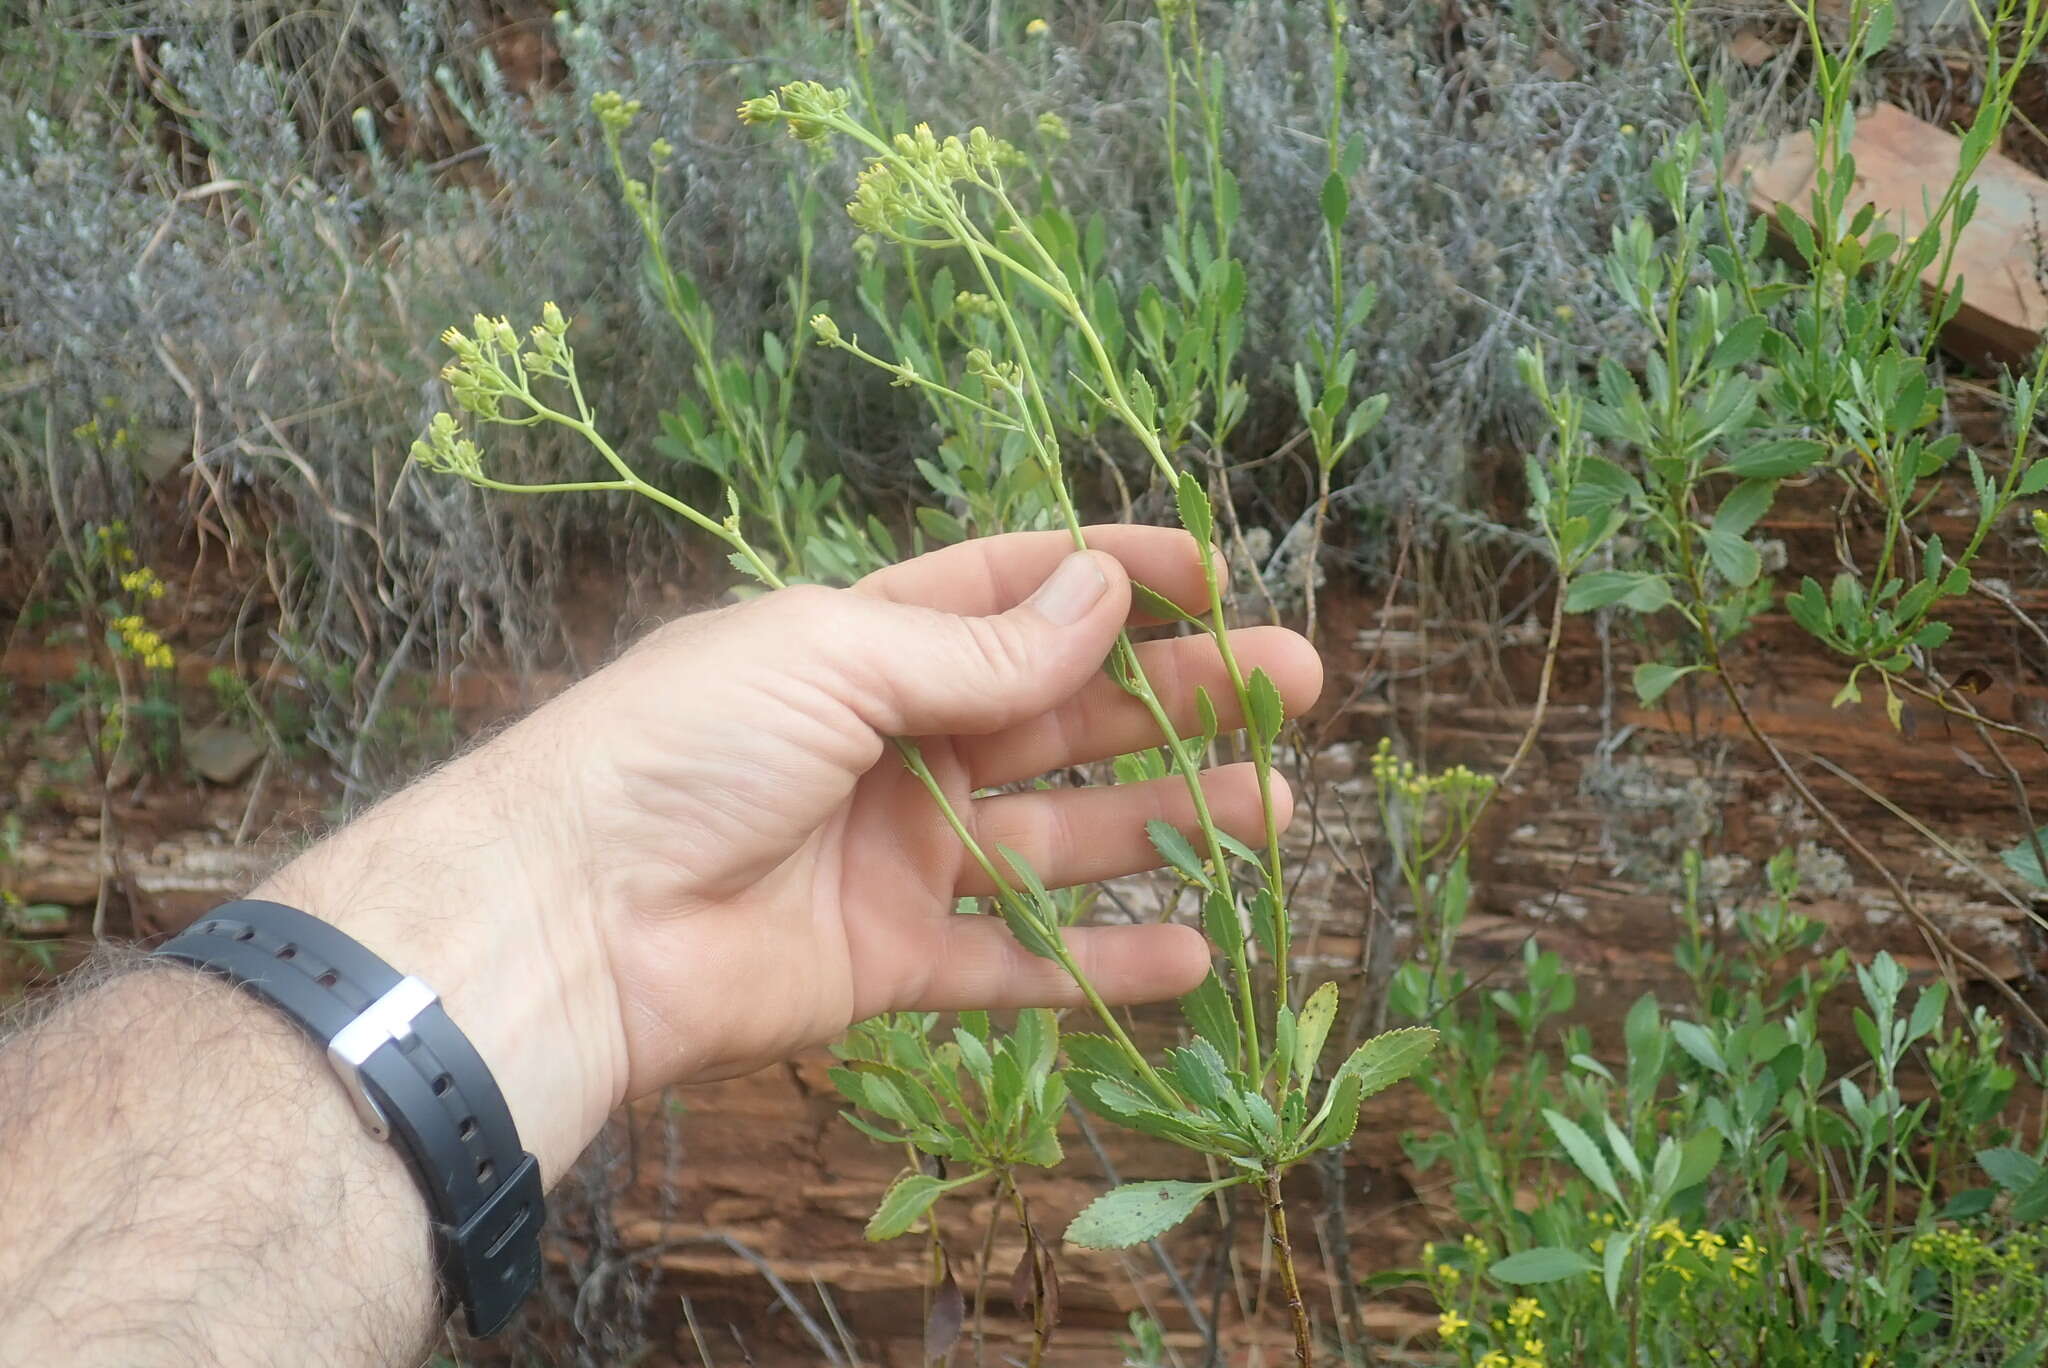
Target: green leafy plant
{"points": [[1244, 1092], [1733, 1192], [1812, 373], [984, 1104], [25, 927]]}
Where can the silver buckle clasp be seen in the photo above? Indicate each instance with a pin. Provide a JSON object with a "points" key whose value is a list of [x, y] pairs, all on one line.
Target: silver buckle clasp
{"points": [[387, 1021]]}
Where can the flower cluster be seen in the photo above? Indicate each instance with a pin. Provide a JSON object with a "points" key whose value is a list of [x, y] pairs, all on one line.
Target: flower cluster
{"points": [[139, 641], [111, 542], [490, 368], [1958, 1251], [913, 185], [143, 580], [808, 108], [1400, 776], [445, 451], [613, 110]]}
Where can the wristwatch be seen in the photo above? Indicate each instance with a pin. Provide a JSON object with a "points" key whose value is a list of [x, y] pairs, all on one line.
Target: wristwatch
{"points": [[415, 1081]]}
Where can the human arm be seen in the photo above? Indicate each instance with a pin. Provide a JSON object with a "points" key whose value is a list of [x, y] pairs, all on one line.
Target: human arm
{"points": [[702, 859]]}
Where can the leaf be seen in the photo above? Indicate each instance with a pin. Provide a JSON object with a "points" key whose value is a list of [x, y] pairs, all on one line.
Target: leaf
{"points": [[1967, 1203], [2031, 1203], [2035, 480], [1614, 1258], [1733, 557], [1195, 514], [1312, 1027], [1598, 588], [1544, 1264], [908, 1199], [1336, 201], [1220, 921], [1653, 680], [1694, 1040], [948, 1314], [1154, 604], [1136, 1212], [1584, 1152], [1025, 910], [1388, 1058], [1264, 709], [1696, 1159], [1745, 506], [2023, 861], [1777, 458], [2009, 1168], [1177, 851], [1340, 1116], [1210, 1017], [1036, 1281], [1740, 344]]}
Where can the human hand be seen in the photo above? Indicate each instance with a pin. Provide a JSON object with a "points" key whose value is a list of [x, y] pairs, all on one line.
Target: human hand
{"points": [[707, 856]]}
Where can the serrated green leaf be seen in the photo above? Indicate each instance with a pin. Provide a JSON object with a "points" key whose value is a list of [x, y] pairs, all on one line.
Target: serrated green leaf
{"points": [[1740, 344], [1388, 1058], [1153, 604], [1210, 1016], [1777, 458], [1195, 514], [1176, 850], [2009, 1168], [1263, 708], [1136, 1212], [1220, 921], [1312, 1028], [1745, 506], [1584, 1151], [908, 1199], [1732, 557]]}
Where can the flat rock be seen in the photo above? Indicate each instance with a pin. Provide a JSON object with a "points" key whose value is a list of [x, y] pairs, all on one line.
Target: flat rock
{"points": [[222, 754], [1903, 164]]}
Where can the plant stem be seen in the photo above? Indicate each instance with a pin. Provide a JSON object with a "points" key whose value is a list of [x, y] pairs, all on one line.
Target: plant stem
{"points": [[1041, 1328], [1290, 1284]]}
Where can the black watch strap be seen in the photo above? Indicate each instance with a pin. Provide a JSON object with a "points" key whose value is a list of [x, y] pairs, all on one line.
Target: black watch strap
{"points": [[414, 1079]]}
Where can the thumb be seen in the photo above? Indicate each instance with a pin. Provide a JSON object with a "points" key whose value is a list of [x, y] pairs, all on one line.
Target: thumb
{"points": [[911, 670]]}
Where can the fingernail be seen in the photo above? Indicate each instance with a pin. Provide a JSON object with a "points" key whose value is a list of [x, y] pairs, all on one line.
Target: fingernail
{"points": [[1070, 591]]}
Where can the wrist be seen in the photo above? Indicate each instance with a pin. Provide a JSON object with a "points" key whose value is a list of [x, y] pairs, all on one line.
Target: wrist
{"points": [[455, 882]]}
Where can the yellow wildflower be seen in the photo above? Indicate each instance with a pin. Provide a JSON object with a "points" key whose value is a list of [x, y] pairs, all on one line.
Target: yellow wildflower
{"points": [[1525, 1312], [1450, 1325], [1037, 28]]}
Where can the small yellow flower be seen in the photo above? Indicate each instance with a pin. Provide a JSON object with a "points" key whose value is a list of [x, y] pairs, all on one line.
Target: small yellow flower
{"points": [[1525, 1312], [1628, 130], [1037, 28], [1450, 1325], [1495, 1359]]}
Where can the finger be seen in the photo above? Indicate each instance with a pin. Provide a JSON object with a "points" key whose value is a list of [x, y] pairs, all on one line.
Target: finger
{"points": [[1102, 720], [978, 964], [1073, 836], [992, 574], [911, 670]]}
